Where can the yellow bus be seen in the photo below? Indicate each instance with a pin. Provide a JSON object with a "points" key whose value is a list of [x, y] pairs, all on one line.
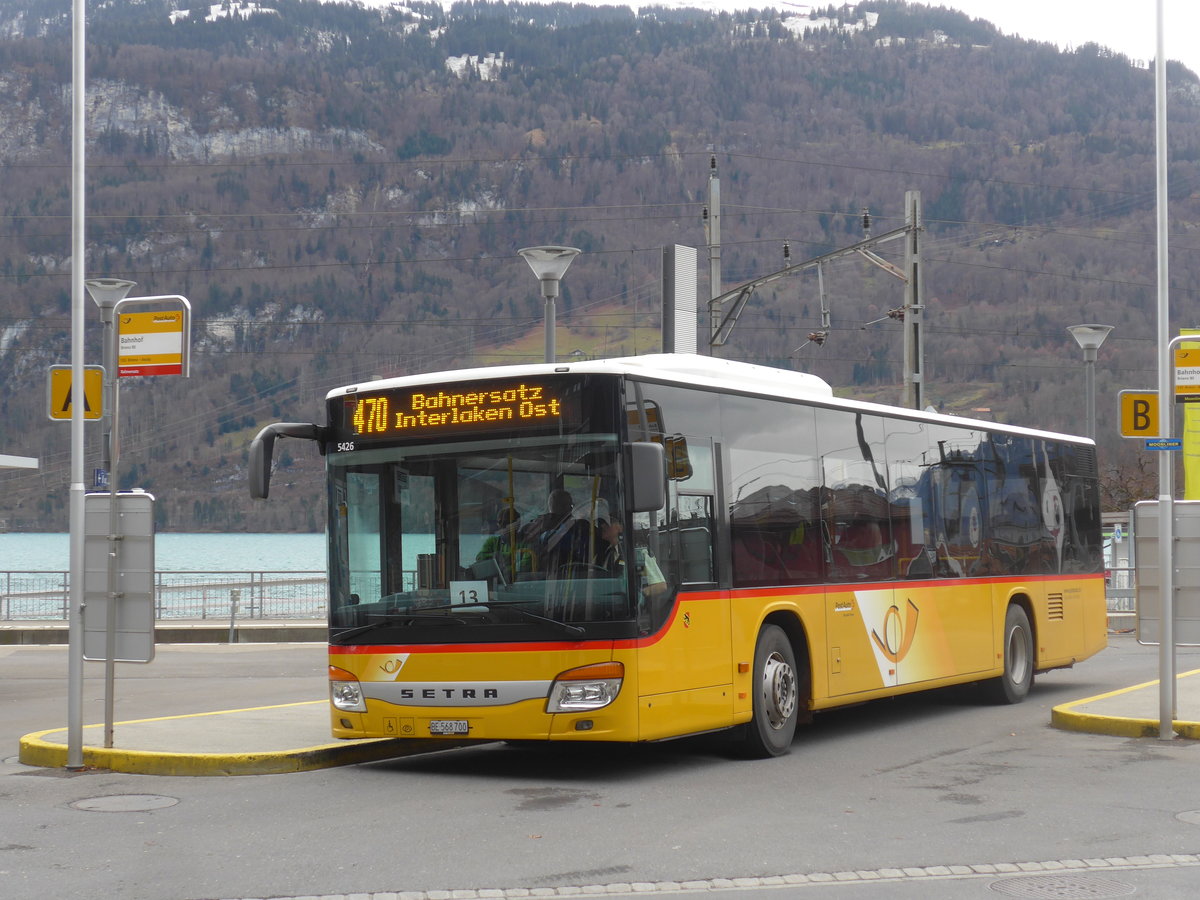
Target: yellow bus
{"points": [[645, 548]]}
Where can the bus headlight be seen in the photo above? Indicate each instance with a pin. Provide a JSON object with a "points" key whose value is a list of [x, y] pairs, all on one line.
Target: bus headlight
{"points": [[345, 693], [586, 688]]}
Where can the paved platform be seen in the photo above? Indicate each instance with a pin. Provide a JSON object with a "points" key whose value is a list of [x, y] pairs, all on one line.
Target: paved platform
{"points": [[295, 737]]}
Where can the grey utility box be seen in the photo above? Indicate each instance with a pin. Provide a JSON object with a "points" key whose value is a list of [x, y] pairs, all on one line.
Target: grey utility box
{"points": [[132, 618], [1186, 558]]}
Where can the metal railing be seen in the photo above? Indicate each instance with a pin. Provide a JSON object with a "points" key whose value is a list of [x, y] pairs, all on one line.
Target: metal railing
{"points": [[32, 596], [1120, 590], [268, 595]]}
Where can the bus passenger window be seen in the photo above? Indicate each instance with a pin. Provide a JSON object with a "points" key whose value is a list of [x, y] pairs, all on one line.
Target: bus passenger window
{"points": [[856, 508], [692, 533]]}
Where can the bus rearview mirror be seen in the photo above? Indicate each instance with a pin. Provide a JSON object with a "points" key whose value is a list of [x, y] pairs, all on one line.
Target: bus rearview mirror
{"points": [[262, 449], [648, 476]]}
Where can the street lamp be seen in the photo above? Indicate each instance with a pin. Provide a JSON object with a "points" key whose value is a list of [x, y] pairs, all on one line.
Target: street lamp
{"points": [[1090, 337], [549, 264], [108, 292]]}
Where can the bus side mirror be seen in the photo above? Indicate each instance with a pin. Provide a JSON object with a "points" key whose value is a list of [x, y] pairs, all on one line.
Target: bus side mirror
{"points": [[679, 464], [647, 476], [262, 449]]}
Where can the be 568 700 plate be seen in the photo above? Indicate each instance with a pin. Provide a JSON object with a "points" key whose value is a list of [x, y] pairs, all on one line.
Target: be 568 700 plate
{"points": [[449, 726]]}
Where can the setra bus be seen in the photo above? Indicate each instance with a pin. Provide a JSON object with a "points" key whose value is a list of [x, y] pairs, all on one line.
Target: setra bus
{"points": [[644, 548]]}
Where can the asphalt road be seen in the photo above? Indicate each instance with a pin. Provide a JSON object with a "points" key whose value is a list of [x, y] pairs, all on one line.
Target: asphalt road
{"points": [[935, 795]]}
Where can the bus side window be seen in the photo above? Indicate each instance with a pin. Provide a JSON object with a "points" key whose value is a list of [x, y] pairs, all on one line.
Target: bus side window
{"points": [[693, 538], [691, 524], [855, 505]]}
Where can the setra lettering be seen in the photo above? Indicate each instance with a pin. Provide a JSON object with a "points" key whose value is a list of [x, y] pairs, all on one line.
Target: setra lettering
{"points": [[450, 693]]}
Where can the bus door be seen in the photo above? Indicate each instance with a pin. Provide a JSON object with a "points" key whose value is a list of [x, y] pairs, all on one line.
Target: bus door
{"points": [[684, 668], [868, 628], [941, 625]]}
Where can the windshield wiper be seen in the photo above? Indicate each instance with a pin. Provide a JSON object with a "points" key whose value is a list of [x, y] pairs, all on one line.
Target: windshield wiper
{"points": [[386, 619], [565, 627]]}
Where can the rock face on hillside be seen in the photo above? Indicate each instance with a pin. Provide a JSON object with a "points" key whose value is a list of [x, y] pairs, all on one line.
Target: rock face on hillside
{"points": [[116, 108], [340, 192]]}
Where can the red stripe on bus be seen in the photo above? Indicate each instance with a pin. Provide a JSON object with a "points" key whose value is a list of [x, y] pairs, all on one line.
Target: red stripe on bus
{"points": [[701, 597]]}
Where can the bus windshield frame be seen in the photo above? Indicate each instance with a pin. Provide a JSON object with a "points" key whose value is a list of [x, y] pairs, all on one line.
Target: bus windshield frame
{"points": [[476, 530]]}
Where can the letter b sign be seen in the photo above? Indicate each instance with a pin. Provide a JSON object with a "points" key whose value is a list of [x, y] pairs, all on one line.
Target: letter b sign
{"points": [[1139, 414]]}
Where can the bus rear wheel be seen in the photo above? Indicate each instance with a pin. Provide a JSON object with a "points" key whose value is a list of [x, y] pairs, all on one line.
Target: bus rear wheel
{"points": [[776, 696], [1013, 686]]}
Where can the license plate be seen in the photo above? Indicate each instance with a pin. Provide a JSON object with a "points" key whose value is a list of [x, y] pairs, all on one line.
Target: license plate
{"points": [[448, 726]]}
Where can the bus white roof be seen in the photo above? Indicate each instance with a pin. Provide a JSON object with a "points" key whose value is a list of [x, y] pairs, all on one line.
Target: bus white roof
{"points": [[685, 368], [698, 371]]}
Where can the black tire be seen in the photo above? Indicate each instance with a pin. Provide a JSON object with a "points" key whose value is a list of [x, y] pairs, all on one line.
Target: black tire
{"points": [[1013, 686], [776, 696]]}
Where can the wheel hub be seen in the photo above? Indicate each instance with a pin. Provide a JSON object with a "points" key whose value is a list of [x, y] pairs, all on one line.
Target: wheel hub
{"points": [[779, 691]]}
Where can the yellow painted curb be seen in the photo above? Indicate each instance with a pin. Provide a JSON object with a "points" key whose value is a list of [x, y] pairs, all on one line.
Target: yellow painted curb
{"points": [[1068, 718], [37, 749]]}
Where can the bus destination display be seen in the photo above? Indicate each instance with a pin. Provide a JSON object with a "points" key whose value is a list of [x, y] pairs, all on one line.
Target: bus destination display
{"points": [[432, 411]]}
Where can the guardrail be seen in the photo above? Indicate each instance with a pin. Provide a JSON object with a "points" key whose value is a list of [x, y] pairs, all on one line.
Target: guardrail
{"points": [[32, 596], [1120, 589], [266, 595]]}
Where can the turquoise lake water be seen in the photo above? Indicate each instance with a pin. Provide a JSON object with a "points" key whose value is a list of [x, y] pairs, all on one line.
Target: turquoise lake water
{"points": [[180, 552]]}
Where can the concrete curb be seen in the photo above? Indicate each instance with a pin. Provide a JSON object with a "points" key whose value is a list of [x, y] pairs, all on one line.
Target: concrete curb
{"points": [[1073, 717], [48, 749]]}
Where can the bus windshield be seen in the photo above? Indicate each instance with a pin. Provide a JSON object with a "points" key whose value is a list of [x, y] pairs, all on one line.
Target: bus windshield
{"points": [[513, 538]]}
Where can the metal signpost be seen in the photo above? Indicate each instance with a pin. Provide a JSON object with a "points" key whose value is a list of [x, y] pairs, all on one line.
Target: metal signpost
{"points": [[113, 617], [1166, 462], [1165, 615], [154, 342], [76, 509]]}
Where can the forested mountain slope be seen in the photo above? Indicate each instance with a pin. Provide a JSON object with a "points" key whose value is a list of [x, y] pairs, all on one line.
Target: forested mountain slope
{"points": [[341, 191]]}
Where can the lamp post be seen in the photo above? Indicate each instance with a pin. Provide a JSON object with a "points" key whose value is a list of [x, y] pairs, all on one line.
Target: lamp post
{"points": [[549, 264], [1090, 337], [108, 292]]}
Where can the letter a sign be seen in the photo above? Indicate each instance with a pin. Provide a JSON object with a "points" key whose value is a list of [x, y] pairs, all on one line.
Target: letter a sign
{"points": [[60, 393]]}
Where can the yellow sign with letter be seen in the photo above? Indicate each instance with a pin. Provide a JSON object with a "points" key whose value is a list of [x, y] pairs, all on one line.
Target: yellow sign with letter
{"points": [[59, 393], [1139, 414]]}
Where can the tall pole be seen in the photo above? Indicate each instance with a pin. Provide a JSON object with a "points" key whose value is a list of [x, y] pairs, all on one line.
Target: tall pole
{"points": [[1090, 366], [76, 495], [112, 400], [551, 351], [714, 252], [914, 352], [1166, 462]]}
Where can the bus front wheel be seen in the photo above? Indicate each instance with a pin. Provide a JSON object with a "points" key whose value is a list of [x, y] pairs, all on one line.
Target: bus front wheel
{"points": [[776, 696], [1014, 684]]}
